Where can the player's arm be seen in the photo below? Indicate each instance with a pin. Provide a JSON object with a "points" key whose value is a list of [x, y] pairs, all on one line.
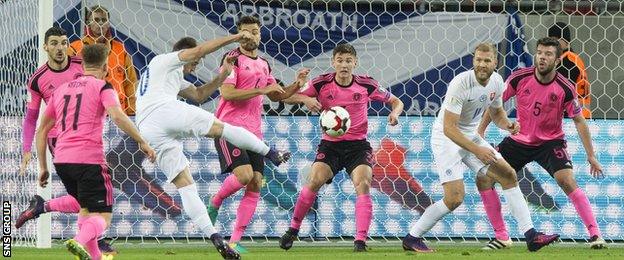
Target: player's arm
{"points": [[200, 94], [125, 124], [231, 93], [485, 121], [206, 47], [499, 116], [306, 96], [397, 108], [47, 123], [451, 130], [29, 126], [585, 135], [300, 81]]}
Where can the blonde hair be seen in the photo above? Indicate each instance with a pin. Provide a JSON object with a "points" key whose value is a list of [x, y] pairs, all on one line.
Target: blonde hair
{"points": [[486, 47]]}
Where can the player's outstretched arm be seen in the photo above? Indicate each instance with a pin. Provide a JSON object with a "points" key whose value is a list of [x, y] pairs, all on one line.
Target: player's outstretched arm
{"points": [[585, 135], [207, 47], [47, 123], [310, 102], [300, 81], [200, 94], [451, 130], [125, 124]]}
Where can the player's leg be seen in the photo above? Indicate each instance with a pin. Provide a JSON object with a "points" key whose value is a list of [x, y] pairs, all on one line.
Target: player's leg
{"points": [[554, 159], [248, 203], [492, 206], [38, 206], [321, 174], [245, 140], [362, 177]]}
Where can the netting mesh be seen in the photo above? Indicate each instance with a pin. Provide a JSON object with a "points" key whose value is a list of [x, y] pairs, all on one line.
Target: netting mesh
{"points": [[413, 50]]}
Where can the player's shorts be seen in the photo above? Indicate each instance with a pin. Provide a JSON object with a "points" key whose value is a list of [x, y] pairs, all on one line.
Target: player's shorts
{"points": [[551, 155], [450, 159], [52, 145], [231, 157], [164, 129], [90, 184], [344, 155]]}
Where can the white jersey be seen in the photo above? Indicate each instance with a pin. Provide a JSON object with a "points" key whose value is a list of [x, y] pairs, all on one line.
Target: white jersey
{"points": [[160, 83], [466, 97]]}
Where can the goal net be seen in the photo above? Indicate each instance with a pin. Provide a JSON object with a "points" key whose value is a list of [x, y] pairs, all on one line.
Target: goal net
{"points": [[414, 48]]}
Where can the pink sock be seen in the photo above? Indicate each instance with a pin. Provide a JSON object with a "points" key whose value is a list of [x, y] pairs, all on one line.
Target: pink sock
{"points": [[304, 202], [581, 203], [92, 227], [93, 249], [230, 186], [492, 206], [65, 204], [363, 216], [244, 213]]}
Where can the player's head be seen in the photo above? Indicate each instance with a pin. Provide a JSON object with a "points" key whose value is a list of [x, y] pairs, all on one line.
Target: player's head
{"points": [[97, 19], [95, 59], [484, 61], [250, 24], [187, 43], [56, 44], [344, 59], [547, 55], [561, 32]]}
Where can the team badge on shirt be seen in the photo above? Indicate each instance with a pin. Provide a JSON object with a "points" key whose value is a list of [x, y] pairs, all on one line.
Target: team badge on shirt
{"points": [[482, 98]]}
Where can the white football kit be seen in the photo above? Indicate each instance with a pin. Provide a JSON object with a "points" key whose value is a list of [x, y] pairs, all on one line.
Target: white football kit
{"points": [[469, 99], [164, 120]]}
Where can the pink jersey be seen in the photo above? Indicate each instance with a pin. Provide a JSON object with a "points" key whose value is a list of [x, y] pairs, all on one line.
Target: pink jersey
{"points": [[541, 106], [43, 83], [354, 98], [248, 73], [79, 109]]}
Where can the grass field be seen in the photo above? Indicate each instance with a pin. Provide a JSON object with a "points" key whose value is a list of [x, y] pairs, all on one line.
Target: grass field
{"points": [[378, 251]]}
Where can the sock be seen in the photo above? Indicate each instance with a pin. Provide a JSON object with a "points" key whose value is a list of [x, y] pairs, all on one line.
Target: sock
{"points": [[91, 228], [519, 208], [492, 206], [230, 186], [304, 203], [93, 249], [65, 204], [429, 218], [245, 212], [244, 139], [195, 209], [583, 208], [363, 216]]}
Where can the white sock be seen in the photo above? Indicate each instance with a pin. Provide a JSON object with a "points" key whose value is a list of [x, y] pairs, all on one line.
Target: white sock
{"points": [[428, 219], [195, 209], [244, 139], [519, 208]]}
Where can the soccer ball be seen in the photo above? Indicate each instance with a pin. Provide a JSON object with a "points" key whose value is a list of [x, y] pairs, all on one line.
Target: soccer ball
{"points": [[335, 121]]}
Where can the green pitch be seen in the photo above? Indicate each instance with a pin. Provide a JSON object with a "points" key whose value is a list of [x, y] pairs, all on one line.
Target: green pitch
{"points": [[378, 251]]}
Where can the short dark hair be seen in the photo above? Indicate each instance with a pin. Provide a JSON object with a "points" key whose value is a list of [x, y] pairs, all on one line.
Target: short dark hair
{"points": [[94, 55], [550, 41], [344, 48], [93, 9], [54, 31], [185, 43], [560, 31], [248, 19]]}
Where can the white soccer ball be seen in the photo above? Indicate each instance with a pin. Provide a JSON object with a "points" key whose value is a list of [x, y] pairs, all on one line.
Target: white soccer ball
{"points": [[335, 121]]}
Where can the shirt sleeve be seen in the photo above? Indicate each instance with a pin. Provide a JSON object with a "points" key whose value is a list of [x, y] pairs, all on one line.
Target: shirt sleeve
{"points": [[33, 99], [167, 62], [108, 96], [308, 90], [509, 91], [455, 98], [573, 107], [184, 84], [380, 94]]}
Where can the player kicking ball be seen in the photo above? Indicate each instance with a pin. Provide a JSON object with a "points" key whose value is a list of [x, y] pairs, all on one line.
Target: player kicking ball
{"points": [[543, 96], [350, 151], [454, 141], [78, 111]]}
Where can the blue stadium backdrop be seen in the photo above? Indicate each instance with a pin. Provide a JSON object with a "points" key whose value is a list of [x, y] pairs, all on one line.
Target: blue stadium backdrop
{"points": [[404, 51]]}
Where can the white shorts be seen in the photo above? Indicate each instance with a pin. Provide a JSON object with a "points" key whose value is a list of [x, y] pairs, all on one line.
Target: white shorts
{"points": [[450, 159], [165, 128]]}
